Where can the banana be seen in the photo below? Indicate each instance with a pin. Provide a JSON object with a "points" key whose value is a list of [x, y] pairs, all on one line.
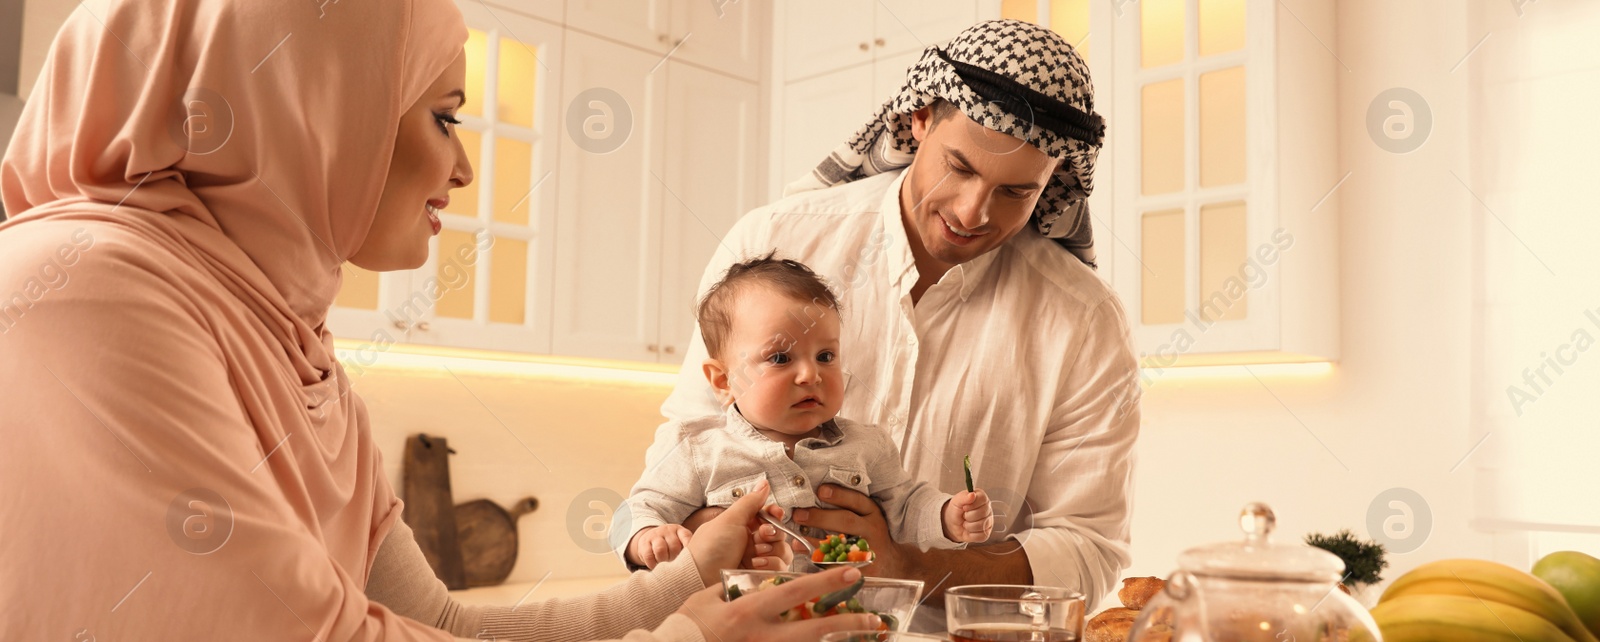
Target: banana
{"points": [[1448, 618], [1493, 582]]}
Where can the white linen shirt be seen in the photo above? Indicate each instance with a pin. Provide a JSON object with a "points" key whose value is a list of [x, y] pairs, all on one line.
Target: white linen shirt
{"points": [[1021, 358]]}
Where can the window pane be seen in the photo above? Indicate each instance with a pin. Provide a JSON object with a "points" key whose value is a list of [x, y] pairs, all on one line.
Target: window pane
{"points": [[1161, 31], [359, 290], [508, 281], [1221, 26], [1222, 127], [464, 200], [1070, 18], [477, 53], [457, 269], [1224, 279], [513, 178], [519, 69], [1161, 133], [1024, 10], [1161, 284]]}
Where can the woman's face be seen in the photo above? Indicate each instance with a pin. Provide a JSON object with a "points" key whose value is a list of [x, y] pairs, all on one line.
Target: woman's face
{"points": [[428, 162]]}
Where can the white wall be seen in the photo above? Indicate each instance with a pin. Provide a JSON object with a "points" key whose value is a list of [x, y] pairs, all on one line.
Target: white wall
{"points": [[1396, 411], [548, 437], [1534, 165]]}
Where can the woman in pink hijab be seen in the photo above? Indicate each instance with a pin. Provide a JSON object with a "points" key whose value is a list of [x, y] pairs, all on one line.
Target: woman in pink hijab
{"points": [[183, 457]]}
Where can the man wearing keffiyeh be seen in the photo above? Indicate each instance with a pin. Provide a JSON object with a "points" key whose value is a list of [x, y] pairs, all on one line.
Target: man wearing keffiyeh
{"points": [[954, 223]]}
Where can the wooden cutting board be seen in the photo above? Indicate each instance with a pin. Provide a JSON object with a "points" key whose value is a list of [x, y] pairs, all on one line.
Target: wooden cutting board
{"points": [[429, 510], [488, 537]]}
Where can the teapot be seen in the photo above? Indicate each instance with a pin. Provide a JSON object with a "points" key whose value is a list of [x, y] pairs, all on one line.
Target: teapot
{"points": [[1255, 591]]}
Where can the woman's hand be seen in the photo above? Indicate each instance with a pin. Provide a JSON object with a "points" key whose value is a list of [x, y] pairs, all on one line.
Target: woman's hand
{"points": [[755, 616], [767, 542], [724, 541]]}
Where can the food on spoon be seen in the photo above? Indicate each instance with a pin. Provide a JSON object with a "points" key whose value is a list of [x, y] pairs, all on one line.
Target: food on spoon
{"points": [[842, 548]]}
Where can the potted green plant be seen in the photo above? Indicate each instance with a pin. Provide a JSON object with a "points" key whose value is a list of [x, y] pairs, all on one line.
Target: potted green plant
{"points": [[1363, 562]]}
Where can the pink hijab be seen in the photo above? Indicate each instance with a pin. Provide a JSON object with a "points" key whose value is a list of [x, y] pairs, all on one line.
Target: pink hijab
{"points": [[182, 456]]}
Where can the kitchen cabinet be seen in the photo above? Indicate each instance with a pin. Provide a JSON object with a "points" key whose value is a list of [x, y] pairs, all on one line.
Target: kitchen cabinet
{"points": [[724, 35], [820, 37], [840, 61], [1224, 181], [818, 115], [710, 181], [606, 173], [608, 230], [642, 211]]}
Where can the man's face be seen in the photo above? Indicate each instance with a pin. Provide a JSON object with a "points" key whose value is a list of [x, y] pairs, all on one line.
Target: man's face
{"points": [[969, 188]]}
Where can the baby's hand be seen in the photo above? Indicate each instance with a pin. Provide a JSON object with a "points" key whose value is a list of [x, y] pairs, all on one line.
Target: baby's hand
{"points": [[968, 517], [658, 545]]}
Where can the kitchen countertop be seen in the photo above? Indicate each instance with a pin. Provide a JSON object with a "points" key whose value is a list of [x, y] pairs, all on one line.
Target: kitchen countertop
{"points": [[510, 593]]}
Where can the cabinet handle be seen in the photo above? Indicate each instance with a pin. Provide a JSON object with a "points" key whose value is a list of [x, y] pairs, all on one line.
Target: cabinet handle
{"points": [[878, 42], [400, 325], [670, 350], [650, 348], [662, 38], [864, 46], [422, 325]]}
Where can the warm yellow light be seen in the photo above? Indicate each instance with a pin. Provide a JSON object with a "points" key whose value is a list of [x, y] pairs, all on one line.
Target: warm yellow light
{"points": [[358, 356]]}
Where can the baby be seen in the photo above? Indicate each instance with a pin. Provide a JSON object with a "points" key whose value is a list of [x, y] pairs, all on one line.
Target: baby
{"points": [[771, 330]]}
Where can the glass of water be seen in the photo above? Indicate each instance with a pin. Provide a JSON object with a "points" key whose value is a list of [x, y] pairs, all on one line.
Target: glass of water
{"points": [[1013, 613]]}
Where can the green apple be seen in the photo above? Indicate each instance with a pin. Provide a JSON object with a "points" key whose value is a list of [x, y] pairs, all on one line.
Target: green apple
{"points": [[1577, 577]]}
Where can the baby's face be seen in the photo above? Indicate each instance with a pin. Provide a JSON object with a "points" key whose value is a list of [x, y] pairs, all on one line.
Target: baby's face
{"points": [[782, 360]]}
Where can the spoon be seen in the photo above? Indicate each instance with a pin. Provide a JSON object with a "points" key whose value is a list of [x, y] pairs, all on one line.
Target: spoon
{"points": [[811, 548]]}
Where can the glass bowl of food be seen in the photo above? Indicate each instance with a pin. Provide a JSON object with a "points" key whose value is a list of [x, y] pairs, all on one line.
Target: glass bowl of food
{"points": [[893, 601]]}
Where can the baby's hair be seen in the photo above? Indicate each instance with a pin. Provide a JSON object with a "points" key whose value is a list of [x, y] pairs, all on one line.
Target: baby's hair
{"points": [[788, 277]]}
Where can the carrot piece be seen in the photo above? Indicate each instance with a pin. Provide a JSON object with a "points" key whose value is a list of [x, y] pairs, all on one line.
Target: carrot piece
{"points": [[858, 556], [816, 556]]}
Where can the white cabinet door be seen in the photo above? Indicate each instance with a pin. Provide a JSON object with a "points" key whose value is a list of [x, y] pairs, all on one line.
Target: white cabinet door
{"points": [[712, 173], [646, 24], [608, 237], [726, 35], [911, 25], [825, 35], [820, 114]]}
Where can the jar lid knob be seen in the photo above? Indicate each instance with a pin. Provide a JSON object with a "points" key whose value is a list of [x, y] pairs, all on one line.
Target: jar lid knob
{"points": [[1257, 522]]}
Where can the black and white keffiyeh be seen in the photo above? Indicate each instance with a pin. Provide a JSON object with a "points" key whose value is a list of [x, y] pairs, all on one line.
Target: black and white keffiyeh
{"points": [[1012, 77]]}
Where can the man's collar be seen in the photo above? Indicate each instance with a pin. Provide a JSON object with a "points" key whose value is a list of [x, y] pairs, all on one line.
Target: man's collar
{"points": [[897, 247]]}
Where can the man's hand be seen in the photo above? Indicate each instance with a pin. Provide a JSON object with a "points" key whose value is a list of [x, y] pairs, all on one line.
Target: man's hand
{"points": [[657, 545], [998, 563], [968, 517], [860, 516], [755, 616], [724, 541]]}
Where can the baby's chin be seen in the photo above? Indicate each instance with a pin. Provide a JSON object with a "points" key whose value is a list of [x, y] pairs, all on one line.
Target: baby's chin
{"points": [[799, 423]]}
